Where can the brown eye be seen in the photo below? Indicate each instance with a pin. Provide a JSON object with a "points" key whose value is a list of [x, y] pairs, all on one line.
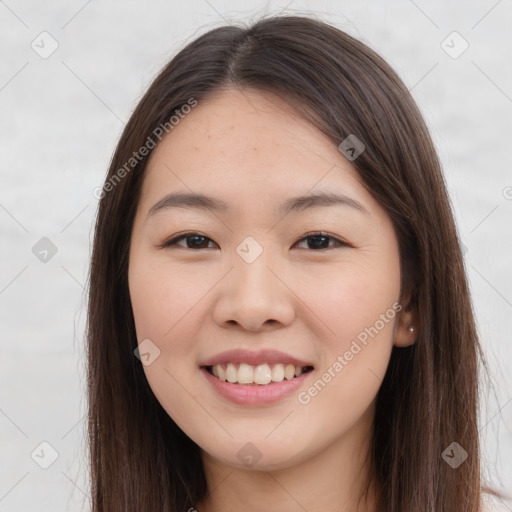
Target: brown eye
{"points": [[315, 241], [320, 240], [192, 241]]}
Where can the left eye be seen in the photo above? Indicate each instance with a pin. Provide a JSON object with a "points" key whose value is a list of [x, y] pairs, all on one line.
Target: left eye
{"points": [[198, 241], [320, 238]]}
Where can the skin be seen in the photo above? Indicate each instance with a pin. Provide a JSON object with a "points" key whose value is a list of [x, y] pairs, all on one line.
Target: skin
{"points": [[251, 150]]}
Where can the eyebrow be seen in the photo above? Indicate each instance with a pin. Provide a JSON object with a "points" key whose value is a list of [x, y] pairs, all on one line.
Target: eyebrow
{"points": [[293, 204]]}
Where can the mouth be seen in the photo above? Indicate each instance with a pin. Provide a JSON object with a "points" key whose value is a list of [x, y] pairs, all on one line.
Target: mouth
{"points": [[257, 376]]}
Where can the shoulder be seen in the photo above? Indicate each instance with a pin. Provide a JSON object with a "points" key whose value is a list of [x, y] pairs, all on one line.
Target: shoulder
{"points": [[494, 504]]}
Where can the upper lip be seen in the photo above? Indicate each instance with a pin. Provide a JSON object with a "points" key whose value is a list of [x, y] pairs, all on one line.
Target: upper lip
{"points": [[254, 358]]}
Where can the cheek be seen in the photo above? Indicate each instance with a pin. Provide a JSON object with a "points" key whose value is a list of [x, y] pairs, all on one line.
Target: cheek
{"points": [[358, 308], [163, 308], [353, 297], [169, 309], [355, 360], [150, 302], [162, 299]]}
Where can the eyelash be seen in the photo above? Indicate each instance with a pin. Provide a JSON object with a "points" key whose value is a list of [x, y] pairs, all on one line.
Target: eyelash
{"points": [[173, 241]]}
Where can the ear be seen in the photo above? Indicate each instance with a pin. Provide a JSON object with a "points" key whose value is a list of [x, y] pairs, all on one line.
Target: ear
{"points": [[406, 329]]}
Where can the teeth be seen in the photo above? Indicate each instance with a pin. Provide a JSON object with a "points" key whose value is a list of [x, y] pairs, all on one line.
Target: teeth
{"points": [[261, 374], [231, 373], [245, 374], [277, 373], [289, 371]]}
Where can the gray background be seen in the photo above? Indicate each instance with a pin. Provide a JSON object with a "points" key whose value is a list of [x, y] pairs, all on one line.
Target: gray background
{"points": [[62, 116]]}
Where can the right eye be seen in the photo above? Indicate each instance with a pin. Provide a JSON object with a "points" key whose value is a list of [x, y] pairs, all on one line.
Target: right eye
{"points": [[197, 241]]}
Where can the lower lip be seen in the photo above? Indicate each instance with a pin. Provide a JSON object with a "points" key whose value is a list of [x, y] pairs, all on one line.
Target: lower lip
{"points": [[255, 395]]}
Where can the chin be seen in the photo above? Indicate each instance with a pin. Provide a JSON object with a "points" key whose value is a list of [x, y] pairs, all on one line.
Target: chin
{"points": [[258, 456]]}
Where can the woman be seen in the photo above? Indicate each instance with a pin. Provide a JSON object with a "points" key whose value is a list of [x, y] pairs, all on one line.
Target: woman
{"points": [[279, 317]]}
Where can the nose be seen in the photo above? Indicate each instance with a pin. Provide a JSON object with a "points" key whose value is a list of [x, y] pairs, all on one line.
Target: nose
{"points": [[255, 296]]}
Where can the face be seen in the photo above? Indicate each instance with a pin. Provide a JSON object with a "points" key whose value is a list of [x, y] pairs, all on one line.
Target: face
{"points": [[254, 276]]}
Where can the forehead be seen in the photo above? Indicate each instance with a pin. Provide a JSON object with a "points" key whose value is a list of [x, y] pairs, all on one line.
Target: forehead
{"points": [[247, 143]]}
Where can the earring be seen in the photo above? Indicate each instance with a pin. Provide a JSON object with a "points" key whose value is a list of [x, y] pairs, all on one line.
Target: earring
{"points": [[410, 329]]}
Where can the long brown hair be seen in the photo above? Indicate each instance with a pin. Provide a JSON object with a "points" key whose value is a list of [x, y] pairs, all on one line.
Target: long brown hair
{"points": [[140, 460]]}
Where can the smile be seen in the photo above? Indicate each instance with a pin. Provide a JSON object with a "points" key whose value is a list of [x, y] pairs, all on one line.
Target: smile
{"points": [[262, 374], [252, 393]]}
